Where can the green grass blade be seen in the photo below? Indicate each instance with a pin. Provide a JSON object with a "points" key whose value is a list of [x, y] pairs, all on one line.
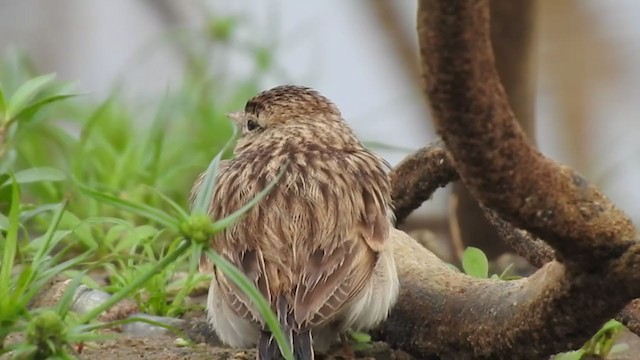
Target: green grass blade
{"points": [[3, 104], [174, 205], [137, 282], [32, 108], [47, 271], [4, 222], [143, 210], [25, 92], [194, 260], [261, 304], [229, 220], [36, 174], [156, 139], [208, 184], [10, 245], [53, 226], [64, 304], [29, 214]]}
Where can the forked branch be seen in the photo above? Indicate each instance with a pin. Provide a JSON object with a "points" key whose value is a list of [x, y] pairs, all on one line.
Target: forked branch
{"points": [[445, 313]]}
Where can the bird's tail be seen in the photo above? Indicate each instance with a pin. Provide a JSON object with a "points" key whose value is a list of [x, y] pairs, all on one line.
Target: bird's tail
{"points": [[300, 342], [303, 345], [268, 347]]}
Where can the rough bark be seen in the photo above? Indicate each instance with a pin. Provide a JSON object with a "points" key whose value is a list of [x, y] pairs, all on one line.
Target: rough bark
{"points": [[419, 171], [443, 313], [491, 152], [512, 36], [418, 176]]}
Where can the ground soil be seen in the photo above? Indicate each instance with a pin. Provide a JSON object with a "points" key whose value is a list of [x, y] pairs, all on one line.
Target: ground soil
{"points": [[164, 347]]}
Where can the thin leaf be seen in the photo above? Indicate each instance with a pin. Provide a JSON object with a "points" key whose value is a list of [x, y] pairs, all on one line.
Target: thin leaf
{"points": [[261, 304], [7, 161], [53, 271], [37, 174], [503, 275], [3, 104], [137, 283], [475, 263], [155, 141], [143, 210], [37, 243], [27, 215], [208, 184], [64, 304], [10, 243], [48, 236], [184, 216], [32, 108], [186, 288], [229, 220], [25, 92], [4, 222]]}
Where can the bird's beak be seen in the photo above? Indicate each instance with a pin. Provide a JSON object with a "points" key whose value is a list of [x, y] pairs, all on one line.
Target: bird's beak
{"points": [[236, 117]]}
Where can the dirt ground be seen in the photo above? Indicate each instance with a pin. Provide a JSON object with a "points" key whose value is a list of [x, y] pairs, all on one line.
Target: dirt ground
{"points": [[164, 347]]}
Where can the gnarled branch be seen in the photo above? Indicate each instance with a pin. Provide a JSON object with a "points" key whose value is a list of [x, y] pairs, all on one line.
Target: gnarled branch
{"points": [[513, 38], [491, 152], [444, 313], [418, 176]]}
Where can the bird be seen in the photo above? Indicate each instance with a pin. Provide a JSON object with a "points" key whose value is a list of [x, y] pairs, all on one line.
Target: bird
{"points": [[317, 245]]}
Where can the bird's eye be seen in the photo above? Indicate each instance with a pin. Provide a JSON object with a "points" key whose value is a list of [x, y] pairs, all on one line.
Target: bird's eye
{"points": [[252, 125]]}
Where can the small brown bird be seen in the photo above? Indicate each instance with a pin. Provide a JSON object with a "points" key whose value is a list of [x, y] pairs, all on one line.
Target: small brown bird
{"points": [[316, 245]]}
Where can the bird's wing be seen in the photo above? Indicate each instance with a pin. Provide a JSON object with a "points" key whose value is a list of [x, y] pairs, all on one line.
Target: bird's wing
{"points": [[330, 280], [251, 263], [334, 275]]}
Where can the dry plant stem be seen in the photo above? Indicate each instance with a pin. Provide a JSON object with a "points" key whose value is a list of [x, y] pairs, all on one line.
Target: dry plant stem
{"points": [[418, 176]]}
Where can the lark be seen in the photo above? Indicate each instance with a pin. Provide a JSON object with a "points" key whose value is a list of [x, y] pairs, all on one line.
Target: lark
{"points": [[316, 246]]}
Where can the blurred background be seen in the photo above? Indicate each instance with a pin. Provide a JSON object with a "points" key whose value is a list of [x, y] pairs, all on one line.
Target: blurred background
{"points": [[362, 54]]}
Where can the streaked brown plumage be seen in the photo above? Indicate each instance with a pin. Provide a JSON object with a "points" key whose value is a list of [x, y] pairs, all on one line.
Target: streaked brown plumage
{"points": [[316, 246]]}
